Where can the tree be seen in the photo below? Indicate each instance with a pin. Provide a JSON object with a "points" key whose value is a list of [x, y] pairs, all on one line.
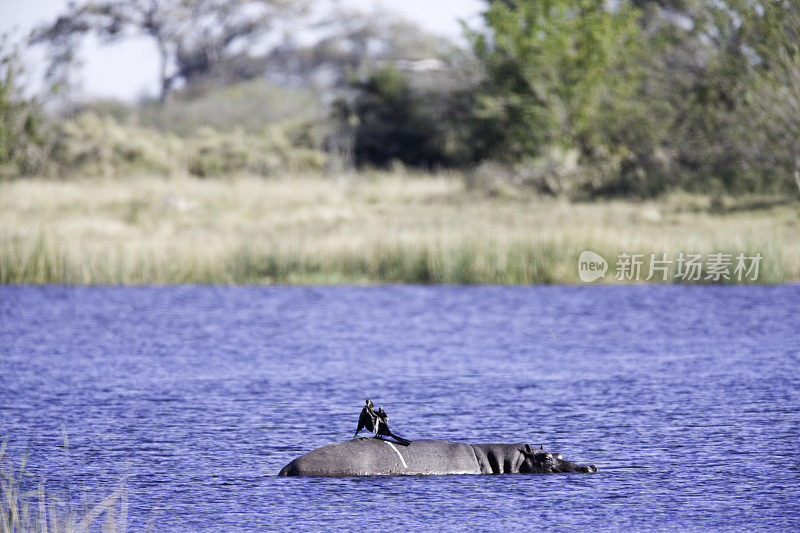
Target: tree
{"points": [[730, 72], [21, 139], [770, 40], [655, 93], [354, 43], [393, 122], [192, 36], [548, 65]]}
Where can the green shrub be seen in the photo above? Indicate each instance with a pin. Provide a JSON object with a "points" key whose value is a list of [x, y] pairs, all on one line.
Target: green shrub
{"points": [[390, 121], [22, 146], [266, 153], [90, 145]]}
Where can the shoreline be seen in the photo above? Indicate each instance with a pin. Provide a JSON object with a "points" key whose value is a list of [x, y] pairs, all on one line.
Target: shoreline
{"points": [[384, 228]]}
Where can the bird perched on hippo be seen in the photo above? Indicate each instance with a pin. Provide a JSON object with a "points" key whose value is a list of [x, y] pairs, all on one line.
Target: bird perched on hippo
{"points": [[379, 457], [377, 423]]}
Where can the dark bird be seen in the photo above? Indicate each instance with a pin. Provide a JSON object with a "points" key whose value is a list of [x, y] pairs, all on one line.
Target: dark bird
{"points": [[367, 419], [383, 430]]}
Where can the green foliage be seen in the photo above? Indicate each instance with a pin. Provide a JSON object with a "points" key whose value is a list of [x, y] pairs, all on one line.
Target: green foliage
{"points": [[565, 78], [697, 95], [551, 66], [396, 122], [265, 153], [20, 122], [771, 100], [92, 145], [249, 128], [727, 77], [576, 98]]}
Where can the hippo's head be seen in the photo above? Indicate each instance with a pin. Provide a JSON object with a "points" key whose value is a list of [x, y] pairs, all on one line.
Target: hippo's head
{"points": [[542, 462]]}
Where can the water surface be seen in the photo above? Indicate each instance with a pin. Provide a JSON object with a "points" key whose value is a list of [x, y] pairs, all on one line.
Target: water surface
{"points": [[686, 398]]}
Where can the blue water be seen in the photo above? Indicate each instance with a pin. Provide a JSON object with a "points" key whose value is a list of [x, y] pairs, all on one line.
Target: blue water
{"points": [[686, 398]]}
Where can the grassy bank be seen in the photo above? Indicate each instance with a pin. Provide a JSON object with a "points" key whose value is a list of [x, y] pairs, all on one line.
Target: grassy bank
{"points": [[365, 229]]}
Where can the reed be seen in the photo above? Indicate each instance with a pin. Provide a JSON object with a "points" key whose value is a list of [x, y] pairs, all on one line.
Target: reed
{"points": [[370, 228], [34, 510]]}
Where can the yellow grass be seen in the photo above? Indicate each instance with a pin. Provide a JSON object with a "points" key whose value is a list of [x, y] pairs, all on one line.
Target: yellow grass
{"points": [[391, 227]]}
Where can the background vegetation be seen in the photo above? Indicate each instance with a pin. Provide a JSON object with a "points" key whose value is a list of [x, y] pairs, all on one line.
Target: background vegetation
{"points": [[376, 227], [583, 99], [500, 157]]}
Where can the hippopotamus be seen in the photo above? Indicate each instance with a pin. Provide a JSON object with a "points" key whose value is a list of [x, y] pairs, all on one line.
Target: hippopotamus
{"points": [[425, 457]]}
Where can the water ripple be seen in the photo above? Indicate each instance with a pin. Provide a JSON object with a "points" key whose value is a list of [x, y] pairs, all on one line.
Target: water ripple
{"points": [[685, 397]]}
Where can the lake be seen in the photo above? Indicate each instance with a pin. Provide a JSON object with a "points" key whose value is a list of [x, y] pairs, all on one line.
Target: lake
{"points": [[686, 397]]}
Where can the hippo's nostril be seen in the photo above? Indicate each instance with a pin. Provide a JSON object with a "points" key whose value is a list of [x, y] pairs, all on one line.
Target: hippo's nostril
{"points": [[592, 468]]}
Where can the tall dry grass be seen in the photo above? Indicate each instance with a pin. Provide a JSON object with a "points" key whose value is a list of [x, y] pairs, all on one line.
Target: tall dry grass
{"points": [[34, 510], [369, 228]]}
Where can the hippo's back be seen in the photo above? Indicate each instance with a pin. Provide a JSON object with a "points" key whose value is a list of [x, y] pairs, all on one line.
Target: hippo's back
{"points": [[376, 457]]}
